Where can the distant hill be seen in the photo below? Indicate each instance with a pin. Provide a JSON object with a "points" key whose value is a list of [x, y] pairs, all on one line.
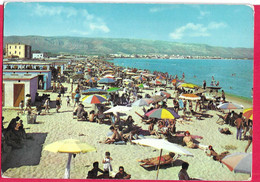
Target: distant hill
{"points": [[103, 46]]}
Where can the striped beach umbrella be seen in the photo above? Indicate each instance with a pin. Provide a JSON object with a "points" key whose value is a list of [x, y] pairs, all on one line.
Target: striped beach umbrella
{"points": [[189, 97], [162, 113], [94, 99], [248, 113], [239, 162], [230, 105], [160, 77]]}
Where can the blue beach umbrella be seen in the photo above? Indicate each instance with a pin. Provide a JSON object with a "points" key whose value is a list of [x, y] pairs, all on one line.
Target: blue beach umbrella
{"points": [[106, 80], [93, 90]]}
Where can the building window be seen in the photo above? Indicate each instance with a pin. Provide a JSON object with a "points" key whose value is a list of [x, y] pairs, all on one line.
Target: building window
{"points": [[19, 47], [10, 47], [15, 47], [15, 52], [19, 53], [9, 52]]}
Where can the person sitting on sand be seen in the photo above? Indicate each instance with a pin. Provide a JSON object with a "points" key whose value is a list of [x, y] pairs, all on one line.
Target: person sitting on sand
{"points": [[151, 129], [155, 161], [183, 175], [92, 116], [81, 113], [216, 156], [189, 141], [93, 173], [122, 174], [115, 136]]}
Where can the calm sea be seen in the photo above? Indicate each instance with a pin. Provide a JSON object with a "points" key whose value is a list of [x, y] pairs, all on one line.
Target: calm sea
{"points": [[235, 76]]}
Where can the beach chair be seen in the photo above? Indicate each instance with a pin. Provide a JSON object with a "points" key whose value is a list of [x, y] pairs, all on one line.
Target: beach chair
{"points": [[155, 165]]}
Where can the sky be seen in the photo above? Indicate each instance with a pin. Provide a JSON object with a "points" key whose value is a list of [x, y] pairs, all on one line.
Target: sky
{"points": [[215, 25]]}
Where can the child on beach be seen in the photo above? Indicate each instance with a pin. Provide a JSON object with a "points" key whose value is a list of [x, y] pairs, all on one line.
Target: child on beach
{"points": [[21, 105], [68, 100], [106, 162], [47, 105]]}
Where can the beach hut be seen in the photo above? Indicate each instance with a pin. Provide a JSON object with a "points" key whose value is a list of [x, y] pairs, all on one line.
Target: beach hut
{"points": [[43, 76], [16, 87]]}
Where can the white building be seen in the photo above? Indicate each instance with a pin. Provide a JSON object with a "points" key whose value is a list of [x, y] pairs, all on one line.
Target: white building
{"points": [[38, 56]]}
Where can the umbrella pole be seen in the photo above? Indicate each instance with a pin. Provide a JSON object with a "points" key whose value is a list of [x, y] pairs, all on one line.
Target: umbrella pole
{"points": [[67, 170], [159, 165]]}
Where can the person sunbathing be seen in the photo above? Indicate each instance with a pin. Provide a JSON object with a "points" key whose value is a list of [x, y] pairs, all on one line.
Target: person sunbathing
{"points": [[197, 114], [165, 159], [189, 141], [216, 156]]}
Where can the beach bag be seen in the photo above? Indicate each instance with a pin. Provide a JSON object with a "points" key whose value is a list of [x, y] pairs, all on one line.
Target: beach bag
{"points": [[31, 119]]}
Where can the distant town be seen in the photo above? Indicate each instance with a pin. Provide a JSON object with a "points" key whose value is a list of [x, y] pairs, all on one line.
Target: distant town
{"points": [[22, 51]]}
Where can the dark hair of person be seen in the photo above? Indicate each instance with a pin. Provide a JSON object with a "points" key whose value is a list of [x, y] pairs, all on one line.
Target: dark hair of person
{"points": [[185, 165], [95, 164], [121, 167], [111, 128]]}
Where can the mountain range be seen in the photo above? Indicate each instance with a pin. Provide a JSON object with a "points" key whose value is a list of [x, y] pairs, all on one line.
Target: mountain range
{"points": [[104, 46]]}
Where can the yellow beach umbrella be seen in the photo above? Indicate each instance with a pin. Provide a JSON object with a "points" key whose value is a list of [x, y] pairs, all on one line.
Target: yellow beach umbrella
{"points": [[71, 147], [188, 85], [248, 113]]}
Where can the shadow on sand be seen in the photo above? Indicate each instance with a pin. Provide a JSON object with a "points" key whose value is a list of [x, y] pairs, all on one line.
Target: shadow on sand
{"points": [[29, 155]]}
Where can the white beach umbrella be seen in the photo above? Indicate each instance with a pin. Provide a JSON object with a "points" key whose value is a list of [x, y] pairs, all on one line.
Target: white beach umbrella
{"points": [[119, 109], [162, 144]]}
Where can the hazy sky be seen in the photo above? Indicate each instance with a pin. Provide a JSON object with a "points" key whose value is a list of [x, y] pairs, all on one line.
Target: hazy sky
{"points": [[217, 25]]}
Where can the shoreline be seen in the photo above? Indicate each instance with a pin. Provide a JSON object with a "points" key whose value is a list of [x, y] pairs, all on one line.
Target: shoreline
{"points": [[228, 95]]}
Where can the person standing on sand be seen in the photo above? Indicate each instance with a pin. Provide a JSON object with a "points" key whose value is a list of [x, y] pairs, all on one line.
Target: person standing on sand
{"points": [[223, 95], [250, 138], [58, 103], [204, 84], [239, 124], [107, 162]]}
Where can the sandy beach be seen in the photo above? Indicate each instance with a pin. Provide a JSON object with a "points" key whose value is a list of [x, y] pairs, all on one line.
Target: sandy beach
{"points": [[33, 162]]}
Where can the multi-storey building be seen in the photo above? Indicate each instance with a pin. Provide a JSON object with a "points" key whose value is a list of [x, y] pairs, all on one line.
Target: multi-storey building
{"points": [[18, 50]]}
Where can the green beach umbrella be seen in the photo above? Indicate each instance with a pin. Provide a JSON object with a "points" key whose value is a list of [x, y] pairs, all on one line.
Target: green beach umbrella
{"points": [[113, 89]]}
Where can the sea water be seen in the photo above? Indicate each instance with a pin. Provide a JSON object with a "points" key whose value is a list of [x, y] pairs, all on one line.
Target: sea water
{"points": [[235, 76]]}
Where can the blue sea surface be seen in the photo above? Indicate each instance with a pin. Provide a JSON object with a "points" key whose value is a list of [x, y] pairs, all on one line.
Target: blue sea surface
{"points": [[197, 70]]}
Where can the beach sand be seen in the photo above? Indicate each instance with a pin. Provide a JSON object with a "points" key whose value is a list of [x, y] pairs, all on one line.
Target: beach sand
{"points": [[33, 162]]}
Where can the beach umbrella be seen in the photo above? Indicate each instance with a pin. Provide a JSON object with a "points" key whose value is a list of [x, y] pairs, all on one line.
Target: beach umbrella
{"points": [[162, 93], [143, 102], [230, 105], [239, 162], [175, 81], [93, 91], [160, 77], [162, 144], [94, 99], [248, 113], [188, 85], [189, 97], [140, 85], [79, 72], [162, 113], [106, 80], [109, 76], [71, 147], [116, 109], [157, 98], [113, 89], [141, 78]]}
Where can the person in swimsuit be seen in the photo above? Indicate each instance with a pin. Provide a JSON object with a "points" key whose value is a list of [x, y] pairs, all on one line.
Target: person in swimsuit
{"points": [[58, 103], [216, 156], [189, 141]]}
